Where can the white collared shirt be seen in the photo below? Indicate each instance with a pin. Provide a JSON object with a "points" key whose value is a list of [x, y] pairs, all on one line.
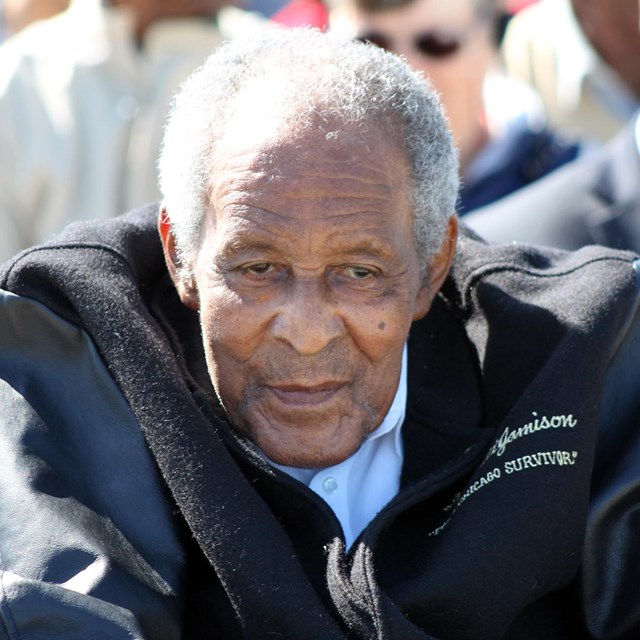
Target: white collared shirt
{"points": [[360, 486]]}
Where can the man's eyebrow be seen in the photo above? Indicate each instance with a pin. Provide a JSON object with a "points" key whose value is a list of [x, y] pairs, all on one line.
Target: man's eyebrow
{"points": [[364, 247], [245, 246]]}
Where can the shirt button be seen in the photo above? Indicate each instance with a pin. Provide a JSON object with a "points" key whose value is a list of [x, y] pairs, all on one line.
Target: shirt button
{"points": [[329, 484]]}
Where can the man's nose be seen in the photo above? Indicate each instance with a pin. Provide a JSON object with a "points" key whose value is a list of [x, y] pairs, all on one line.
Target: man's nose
{"points": [[308, 318]]}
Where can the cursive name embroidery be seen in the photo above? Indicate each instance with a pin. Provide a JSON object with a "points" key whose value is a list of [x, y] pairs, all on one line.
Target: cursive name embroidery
{"points": [[537, 424]]}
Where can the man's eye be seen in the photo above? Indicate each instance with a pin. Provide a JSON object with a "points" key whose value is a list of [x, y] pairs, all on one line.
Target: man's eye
{"points": [[259, 269], [358, 273]]}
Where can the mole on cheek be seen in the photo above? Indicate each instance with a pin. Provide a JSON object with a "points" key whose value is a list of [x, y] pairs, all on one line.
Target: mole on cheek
{"points": [[381, 326]]}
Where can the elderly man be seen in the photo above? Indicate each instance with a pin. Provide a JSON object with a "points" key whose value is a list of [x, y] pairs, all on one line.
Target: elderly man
{"points": [[288, 415], [592, 201]]}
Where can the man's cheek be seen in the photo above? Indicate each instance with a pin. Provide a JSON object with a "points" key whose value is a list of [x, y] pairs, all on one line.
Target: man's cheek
{"points": [[225, 322]]}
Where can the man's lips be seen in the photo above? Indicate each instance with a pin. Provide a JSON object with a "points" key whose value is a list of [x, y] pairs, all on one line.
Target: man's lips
{"points": [[307, 395]]}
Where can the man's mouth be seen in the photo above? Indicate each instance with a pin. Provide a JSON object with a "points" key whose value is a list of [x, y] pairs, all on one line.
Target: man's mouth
{"points": [[306, 394]]}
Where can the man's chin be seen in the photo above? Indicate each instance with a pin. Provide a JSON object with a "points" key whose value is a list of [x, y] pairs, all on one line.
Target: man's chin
{"points": [[292, 447], [305, 432], [308, 460]]}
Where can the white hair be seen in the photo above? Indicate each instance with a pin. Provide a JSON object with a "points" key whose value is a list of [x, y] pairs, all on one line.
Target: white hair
{"points": [[339, 81]]}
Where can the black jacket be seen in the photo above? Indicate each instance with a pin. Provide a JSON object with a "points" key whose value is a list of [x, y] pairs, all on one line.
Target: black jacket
{"points": [[128, 508]]}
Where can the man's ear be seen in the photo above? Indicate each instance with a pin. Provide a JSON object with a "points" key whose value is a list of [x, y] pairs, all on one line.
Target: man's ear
{"points": [[437, 270], [181, 276]]}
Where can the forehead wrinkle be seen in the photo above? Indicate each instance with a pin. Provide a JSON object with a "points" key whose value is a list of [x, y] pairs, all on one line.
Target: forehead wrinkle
{"points": [[358, 164], [270, 192], [249, 215], [251, 219], [365, 241], [247, 187], [274, 184], [250, 233], [345, 190], [254, 206], [275, 161]]}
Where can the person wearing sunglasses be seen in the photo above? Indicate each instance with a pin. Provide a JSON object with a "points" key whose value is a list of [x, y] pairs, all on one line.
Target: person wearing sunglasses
{"points": [[497, 123]]}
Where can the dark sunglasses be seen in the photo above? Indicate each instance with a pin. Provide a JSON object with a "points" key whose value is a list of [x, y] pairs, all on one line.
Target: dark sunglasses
{"points": [[432, 44]]}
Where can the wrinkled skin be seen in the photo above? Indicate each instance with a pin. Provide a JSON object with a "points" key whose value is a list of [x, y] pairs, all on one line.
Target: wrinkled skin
{"points": [[307, 281]]}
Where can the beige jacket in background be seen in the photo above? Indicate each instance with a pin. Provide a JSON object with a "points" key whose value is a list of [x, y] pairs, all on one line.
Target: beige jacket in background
{"points": [[583, 97], [82, 112]]}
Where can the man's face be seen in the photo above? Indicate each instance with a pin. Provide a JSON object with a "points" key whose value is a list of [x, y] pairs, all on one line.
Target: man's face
{"points": [[307, 281]]}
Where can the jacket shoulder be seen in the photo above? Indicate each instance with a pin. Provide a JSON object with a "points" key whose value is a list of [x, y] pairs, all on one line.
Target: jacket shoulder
{"points": [[477, 260], [82, 498], [94, 255], [504, 292]]}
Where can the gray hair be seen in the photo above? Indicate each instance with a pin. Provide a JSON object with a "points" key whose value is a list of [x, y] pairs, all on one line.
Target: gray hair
{"points": [[337, 80]]}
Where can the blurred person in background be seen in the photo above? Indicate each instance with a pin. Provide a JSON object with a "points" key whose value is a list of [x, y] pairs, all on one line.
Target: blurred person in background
{"points": [[583, 58], [497, 123], [595, 200], [83, 99], [15, 15]]}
